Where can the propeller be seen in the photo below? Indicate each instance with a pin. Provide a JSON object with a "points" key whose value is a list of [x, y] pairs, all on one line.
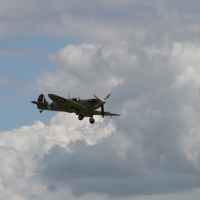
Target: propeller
{"points": [[102, 111], [96, 97], [102, 106], [107, 96], [100, 99]]}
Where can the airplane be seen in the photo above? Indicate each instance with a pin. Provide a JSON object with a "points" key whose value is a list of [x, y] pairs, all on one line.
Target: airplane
{"points": [[81, 107]]}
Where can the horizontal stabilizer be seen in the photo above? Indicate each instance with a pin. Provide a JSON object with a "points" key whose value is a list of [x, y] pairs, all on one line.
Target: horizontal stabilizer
{"points": [[38, 103]]}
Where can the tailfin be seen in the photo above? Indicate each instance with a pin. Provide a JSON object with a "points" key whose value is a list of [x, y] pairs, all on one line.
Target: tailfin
{"points": [[42, 99]]}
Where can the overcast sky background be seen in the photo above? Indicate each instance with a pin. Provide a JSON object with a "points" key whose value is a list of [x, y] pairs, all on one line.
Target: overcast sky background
{"points": [[146, 54]]}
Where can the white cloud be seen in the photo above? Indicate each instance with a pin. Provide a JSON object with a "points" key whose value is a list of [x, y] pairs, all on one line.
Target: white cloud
{"points": [[37, 139], [89, 69], [153, 140], [22, 148], [148, 57], [13, 182], [154, 144]]}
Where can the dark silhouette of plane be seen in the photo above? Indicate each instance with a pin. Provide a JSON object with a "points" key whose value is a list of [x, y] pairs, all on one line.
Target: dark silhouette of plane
{"points": [[81, 107]]}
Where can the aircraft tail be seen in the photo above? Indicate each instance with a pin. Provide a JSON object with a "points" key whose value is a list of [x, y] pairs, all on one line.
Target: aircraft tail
{"points": [[42, 99]]}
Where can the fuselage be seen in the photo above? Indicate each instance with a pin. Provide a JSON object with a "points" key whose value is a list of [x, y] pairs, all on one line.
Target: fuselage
{"points": [[81, 107], [91, 104]]}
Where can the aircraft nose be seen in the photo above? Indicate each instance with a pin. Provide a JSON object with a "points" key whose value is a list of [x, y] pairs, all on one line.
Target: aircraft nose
{"points": [[103, 101]]}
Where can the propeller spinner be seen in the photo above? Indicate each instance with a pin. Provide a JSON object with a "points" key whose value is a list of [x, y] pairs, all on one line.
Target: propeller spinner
{"points": [[102, 106]]}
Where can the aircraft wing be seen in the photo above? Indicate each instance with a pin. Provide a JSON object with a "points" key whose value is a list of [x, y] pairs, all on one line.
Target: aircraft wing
{"points": [[66, 103], [96, 112]]}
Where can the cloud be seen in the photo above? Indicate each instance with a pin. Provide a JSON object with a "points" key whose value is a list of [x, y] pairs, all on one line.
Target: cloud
{"points": [[154, 148], [21, 149], [55, 19], [92, 69], [98, 169], [13, 182], [104, 21], [35, 140], [147, 56]]}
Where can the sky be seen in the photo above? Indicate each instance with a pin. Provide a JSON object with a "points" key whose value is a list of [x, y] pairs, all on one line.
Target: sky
{"points": [[146, 54]]}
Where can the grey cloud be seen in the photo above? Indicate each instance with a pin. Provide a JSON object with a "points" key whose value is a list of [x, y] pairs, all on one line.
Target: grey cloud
{"points": [[152, 52], [154, 148], [98, 21], [97, 169]]}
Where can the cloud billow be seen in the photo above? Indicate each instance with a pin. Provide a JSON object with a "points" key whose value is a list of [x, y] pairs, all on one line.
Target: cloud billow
{"points": [[149, 61], [98, 169], [154, 147]]}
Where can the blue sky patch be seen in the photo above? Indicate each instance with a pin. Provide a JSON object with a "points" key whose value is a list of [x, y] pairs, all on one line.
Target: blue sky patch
{"points": [[22, 58]]}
